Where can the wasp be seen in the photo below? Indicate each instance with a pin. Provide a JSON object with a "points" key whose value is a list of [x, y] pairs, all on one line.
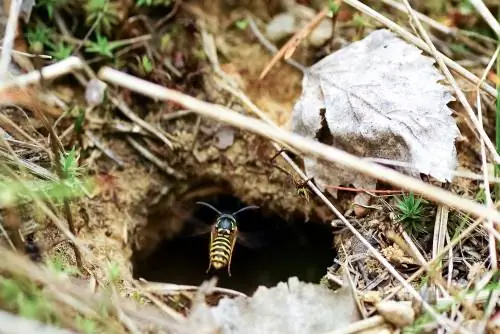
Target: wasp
{"points": [[224, 233]]}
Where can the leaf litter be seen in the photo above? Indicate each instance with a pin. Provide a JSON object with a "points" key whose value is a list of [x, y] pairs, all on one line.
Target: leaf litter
{"points": [[291, 307], [379, 98]]}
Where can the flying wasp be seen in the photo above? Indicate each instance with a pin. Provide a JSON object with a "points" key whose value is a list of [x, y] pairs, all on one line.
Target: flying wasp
{"points": [[224, 233]]}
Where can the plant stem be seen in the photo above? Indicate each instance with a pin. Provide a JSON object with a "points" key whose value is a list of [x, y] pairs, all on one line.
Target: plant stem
{"points": [[497, 119]]}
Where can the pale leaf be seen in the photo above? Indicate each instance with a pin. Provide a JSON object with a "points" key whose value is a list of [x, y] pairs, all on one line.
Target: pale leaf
{"points": [[378, 98]]}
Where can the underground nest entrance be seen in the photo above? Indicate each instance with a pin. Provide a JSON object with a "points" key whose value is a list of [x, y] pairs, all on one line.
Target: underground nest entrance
{"points": [[273, 250]]}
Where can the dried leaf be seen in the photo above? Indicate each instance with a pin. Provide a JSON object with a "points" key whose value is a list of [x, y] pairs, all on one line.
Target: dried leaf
{"points": [[295, 307], [378, 98]]}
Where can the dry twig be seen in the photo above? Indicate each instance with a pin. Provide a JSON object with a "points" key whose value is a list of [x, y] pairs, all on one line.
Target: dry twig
{"points": [[288, 49]]}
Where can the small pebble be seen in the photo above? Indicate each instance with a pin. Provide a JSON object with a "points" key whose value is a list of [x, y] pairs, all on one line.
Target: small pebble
{"points": [[281, 26], [399, 314], [322, 33], [224, 137], [94, 93]]}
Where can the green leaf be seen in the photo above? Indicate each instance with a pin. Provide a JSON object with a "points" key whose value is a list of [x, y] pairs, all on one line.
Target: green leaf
{"points": [[242, 24]]}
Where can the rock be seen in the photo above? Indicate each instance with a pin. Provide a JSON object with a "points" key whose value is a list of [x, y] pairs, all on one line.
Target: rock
{"points": [[399, 314], [94, 92], [322, 33], [224, 137], [281, 26]]}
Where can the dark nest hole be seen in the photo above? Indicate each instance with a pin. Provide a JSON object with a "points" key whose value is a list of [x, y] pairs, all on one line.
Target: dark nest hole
{"points": [[279, 249]]}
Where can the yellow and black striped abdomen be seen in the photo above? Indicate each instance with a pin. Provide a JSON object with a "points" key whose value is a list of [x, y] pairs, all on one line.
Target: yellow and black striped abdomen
{"points": [[220, 250]]}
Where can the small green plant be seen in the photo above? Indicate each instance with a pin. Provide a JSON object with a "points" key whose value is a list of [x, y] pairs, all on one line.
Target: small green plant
{"points": [[465, 7], [79, 119], [39, 36], [410, 213], [57, 264], [481, 196], [113, 272], [61, 51], [27, 299], [151, 3], [359, 21], [103, 13], [242, 24], [50, 6], [86, 326], [69, 165], [333, 7], [146, 64], [102, 46]]}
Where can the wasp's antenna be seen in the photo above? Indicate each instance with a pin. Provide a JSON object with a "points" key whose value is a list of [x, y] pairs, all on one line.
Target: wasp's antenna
{"points": [[209, 206], [245, 209]]}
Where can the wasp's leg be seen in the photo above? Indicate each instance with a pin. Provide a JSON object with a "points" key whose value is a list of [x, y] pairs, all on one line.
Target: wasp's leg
{"points": [[209, 266], [231, 253]]}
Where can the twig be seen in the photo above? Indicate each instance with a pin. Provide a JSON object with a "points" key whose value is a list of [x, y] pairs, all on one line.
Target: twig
{"points": [[359, 325], [308, 146], [154, 159], [489, 202], [439, 236], [456, 173], [9, 37], [167, 288], [269, 46], [487, 16], [29, 55], [58, 69], [424, 18], [418, 42], [6, 236], [305, 145], [136, 119], [110, 154], [290, 46], [174, 314]]}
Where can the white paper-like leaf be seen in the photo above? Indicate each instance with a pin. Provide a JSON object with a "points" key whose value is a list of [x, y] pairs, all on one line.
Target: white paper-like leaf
{"points": [[377, 98], [294, 308]]}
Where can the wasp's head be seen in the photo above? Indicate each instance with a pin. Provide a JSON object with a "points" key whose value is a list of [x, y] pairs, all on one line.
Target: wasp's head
{"points": [[226, 222]]}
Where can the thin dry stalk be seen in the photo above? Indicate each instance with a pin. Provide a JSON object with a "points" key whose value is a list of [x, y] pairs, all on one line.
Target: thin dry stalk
{"points": [[305, 145], [162, 165], [453, 83], [424, 18], [487, 16], [172, 313], [136, 119], [287, 50], [58, 69], [359, 326], [167, 288], [28, 55], [421, 44], [8, 40], [489, 202]]}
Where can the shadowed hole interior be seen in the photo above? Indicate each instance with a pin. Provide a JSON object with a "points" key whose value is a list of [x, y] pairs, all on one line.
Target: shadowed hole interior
{"points": [[284, 249]]}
